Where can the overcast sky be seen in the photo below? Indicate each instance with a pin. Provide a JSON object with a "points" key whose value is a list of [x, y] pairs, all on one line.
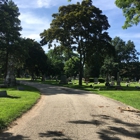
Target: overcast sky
{"points": [[36, 15]]}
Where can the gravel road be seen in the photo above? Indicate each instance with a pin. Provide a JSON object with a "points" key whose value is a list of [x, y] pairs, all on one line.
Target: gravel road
{"points": [[69, 114]]}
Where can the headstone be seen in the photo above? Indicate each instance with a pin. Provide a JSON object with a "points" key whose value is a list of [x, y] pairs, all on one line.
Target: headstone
{"points": [[63, 80], [112, 83], [77, 77], [20, 88], [3, 94], [95, 80], [3, 86], [127, 84], [86, 82], [107, 84], [118, 79], [73, 80]]}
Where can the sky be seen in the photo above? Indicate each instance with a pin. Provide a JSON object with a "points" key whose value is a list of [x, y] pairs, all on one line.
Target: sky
{"points": [[36, 15]]}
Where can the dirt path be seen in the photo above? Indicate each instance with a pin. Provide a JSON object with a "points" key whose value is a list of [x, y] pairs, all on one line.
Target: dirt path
{"points": [[69, 114]]}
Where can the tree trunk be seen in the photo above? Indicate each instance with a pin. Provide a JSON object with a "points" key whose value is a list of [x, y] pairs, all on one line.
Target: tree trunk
{"points": [[80, 70], [6, 64]]}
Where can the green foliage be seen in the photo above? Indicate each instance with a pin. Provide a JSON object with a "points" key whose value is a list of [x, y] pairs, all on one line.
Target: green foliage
{"points": [[125, 51], [131, 11], [80, 27], [55, 62], [9, 31], [110, 66], [36, 61], [125, 60], [71, 66]]}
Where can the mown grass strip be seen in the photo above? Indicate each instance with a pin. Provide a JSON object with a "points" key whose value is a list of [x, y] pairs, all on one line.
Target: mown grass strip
{"points": [[16, 103]]}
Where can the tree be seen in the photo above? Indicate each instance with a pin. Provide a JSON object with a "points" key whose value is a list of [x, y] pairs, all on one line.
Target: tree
{"points": [[80, 27], [71, 66], [56, 62], [131, 11], [109, 67], [125, 54], [125, 51], [36, 61], [9, 30]]}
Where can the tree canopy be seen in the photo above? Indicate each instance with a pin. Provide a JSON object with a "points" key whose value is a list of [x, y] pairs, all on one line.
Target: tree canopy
{"points": [[9, 30], [131, 11], [36, 61]]}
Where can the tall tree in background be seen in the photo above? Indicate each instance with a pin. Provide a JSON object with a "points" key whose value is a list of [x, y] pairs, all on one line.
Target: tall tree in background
{"points": [[80, 27], [131, 11], [125, 51], [71, 66], [126, 55], [36, 61], [56, 62], [9, 30]]}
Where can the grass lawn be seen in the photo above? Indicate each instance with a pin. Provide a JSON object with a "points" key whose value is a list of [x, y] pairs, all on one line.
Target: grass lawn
{"points": [[128, 95], [16, 103]]}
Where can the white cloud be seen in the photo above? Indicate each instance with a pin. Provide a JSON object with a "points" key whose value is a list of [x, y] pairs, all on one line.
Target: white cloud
{"points": [[129, 35], [40, 3], [33, 25], [105, 4], [47, 3]]}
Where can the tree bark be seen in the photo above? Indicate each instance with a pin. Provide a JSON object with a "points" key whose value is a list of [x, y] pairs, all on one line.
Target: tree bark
{"points": [[80, 70], [6, 63]]}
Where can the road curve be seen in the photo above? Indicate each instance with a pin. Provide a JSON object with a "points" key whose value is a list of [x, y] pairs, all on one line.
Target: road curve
{"points": [[69, 114]]}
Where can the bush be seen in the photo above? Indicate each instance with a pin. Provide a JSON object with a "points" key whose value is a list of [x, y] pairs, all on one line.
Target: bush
{"points": [[101, 80]]}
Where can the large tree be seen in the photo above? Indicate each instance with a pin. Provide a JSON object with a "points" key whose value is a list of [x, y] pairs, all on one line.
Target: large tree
{"points": [[125, 54], [9, 30], [125, 51], [36, 61], [81, 27], [131, 11]]}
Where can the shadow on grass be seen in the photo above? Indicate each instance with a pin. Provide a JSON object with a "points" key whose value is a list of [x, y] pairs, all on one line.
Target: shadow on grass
{"points": [[109, 131], [55, 135], [11, 97], [20, 87], [10, 136]]}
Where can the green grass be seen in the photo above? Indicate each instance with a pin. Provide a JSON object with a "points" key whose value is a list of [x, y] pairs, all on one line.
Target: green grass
{"points": [[128, 95], [16, 103]]}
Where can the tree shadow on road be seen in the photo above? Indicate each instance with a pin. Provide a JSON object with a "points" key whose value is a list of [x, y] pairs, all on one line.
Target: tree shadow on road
{"points": [[108, 131], [10, 136], [51, 90], [56, 135]]}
